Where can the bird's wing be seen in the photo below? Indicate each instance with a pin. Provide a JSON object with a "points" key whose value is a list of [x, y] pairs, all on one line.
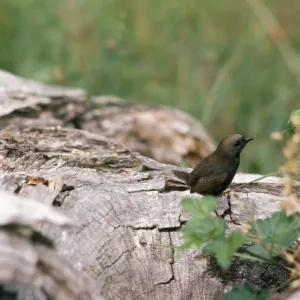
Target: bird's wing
{"points": [[206, 175], [207, 167], [205, 184]]}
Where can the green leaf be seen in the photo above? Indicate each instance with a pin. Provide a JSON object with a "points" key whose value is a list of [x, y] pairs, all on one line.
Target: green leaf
{"points": [[291, 123], [267, 250], [236, 239], [277, 231], [246, 292], [259, 250], [224, 248], [198, 231], [222, 251], [201, 206]]}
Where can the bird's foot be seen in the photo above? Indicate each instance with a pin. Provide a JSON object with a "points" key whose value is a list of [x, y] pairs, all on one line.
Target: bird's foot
{"points": [[224, 214], [234, 221], [227, 211]]}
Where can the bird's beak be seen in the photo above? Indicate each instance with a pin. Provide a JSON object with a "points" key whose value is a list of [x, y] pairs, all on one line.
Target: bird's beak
{"points": [[249, 139]]}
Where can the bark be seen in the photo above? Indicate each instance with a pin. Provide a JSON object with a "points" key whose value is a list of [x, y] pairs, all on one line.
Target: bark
{"points": [[126, 207], [30, 268], [165, 134], [26, 103]]}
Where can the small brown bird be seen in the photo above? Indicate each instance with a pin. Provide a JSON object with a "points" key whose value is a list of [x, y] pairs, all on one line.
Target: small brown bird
{"points": [[216, 171]]}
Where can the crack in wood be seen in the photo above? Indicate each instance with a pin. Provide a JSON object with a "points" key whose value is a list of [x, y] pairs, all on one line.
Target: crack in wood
{"points": [[83, 227], [152, 227], [172, 277], [64, 193], [160, 229], [18, 189], [115, 261], [146, 190]]}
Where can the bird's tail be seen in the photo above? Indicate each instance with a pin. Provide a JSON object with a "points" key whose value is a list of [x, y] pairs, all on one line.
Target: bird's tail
{"points": [[182, 175]]}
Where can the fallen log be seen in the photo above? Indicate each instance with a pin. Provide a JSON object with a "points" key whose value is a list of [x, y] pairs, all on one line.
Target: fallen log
{"points": [[124, 212], [166, 134]]}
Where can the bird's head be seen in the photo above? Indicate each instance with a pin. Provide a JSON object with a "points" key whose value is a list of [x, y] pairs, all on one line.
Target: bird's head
{"points": [[233, 145]]}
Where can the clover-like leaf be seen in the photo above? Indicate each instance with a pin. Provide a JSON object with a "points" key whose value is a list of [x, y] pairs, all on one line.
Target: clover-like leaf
{"points": [[198, 231], [224, 248], [275, 232]]}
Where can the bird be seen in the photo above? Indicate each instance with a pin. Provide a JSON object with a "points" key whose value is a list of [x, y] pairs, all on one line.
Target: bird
{"points": [[216, 171]]}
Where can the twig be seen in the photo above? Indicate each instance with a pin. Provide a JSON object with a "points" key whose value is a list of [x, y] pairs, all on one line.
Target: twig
{"points": [[166, 246], [255, 180], [262, 258]]}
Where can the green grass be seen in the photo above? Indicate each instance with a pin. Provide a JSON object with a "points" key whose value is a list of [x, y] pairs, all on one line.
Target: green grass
{"points": [[212, 59]]}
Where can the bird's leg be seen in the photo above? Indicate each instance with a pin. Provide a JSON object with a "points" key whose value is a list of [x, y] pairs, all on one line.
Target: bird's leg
{"points": [[226, 212], [229, 212]]}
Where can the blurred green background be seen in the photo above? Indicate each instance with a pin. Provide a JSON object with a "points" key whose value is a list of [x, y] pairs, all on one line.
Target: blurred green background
{"points": [[213, 59]]}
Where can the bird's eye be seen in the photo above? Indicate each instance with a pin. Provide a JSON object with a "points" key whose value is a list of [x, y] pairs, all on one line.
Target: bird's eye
{"points": [[237, 143]]}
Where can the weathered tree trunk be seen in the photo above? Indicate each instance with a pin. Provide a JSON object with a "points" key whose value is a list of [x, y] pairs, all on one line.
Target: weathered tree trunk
{"points": [[25, 103], [30, 268], [166, 134], [125, 214]]}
